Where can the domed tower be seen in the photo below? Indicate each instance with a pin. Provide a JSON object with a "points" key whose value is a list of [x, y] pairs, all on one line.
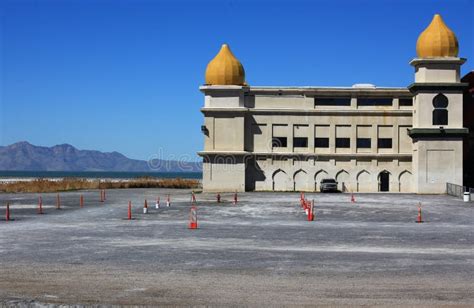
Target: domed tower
{"points": [[224, 123], [225, 69], [437, 131]]}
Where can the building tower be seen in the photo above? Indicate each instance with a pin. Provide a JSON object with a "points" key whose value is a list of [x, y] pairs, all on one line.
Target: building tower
{"points": [[437, 132], [224, 123]]}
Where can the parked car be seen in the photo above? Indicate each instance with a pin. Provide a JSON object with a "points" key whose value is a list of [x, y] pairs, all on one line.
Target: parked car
{"points": [[328, 185]]}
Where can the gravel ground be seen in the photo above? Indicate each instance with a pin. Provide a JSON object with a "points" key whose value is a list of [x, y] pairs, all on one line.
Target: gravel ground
{"points": [[261, 251]]}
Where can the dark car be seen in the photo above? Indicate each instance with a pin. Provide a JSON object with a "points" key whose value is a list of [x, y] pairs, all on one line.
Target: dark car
{"points": [[328, 185]]}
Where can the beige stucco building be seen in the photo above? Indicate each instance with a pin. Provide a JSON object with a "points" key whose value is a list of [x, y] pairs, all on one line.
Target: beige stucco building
{"points": [[368, 138]]}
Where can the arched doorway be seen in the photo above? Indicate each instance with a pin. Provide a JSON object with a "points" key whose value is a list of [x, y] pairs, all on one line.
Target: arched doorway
{"points": [[363, 181], [342, 178], [404, 181], [300, 180], [384, 181], [321, 174], [281, 181]]}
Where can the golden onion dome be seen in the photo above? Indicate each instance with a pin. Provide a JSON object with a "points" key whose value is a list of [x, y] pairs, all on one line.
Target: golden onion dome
{"points": [[225, 69], [437, 40]]}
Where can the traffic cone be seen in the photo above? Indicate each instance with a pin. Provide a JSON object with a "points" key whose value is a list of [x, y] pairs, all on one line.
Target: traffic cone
{"points": [[168, 202], [7, 212], [193, 224], [353, 198], [81, 201], [40, 205], [145, 208], [157, 204], [129, 216], [310, 212], [419, 218], [305, 206], [58, 202], [218, 198]]}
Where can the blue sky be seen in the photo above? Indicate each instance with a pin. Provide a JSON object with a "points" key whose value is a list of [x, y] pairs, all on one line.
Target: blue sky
{"points": [[124, 75]]}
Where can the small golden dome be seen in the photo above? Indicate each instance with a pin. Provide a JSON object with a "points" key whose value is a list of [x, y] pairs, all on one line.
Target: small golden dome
{"points": [[225, 69], [437, 40]]}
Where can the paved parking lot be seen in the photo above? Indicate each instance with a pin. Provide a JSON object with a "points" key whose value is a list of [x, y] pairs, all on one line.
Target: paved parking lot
{"points": [[260, 251]]}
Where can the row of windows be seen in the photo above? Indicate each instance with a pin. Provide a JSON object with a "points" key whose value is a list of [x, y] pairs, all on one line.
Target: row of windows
{"points": [[375, 101], [302, 142], [440, 104]]}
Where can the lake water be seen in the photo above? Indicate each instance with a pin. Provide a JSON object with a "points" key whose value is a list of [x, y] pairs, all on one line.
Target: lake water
{"points": [[98, 174]]}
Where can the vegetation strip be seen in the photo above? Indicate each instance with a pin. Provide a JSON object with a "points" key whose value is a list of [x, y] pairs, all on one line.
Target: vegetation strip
{"points": [[67, 184]]}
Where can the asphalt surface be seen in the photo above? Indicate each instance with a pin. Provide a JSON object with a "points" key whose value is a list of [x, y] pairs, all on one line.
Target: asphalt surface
{"points": [[261, 251]]}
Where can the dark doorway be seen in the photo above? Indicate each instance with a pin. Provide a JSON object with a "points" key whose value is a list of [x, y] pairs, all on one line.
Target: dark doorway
{"points": [[384, 181]]}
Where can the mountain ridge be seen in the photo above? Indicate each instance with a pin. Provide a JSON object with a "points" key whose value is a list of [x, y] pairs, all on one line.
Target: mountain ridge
{"points": [[24, 156]]}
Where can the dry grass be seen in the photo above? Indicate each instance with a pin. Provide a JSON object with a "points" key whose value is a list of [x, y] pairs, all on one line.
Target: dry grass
{"points": [[45, 185]]}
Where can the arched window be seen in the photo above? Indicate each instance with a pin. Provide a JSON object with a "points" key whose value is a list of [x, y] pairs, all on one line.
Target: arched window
{"points": [[440, 111]]}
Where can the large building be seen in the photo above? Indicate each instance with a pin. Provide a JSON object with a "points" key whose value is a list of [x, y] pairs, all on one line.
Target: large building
{"points": [[368, 138]]}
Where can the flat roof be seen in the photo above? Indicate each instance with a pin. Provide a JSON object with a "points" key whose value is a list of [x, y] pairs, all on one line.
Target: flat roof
{"points": [[306, 89]]}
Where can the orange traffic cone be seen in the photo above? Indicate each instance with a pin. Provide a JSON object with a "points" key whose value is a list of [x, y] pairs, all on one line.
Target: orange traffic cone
{"points": [[310, 212], [145, 208], [40, 205], [193, 224], [419, 218]]}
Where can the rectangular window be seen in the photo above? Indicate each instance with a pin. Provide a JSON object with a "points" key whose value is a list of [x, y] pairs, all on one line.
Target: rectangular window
{"points": [[384, 138], [335, 101], [440, 116], [384, 143], [279, 142], [375, 101], [321, 142], [343, 142], [300, 142], [364, 138], [405, 102], [363, 143]]}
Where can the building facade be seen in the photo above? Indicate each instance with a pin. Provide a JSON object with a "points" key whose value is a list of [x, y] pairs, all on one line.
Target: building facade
{"points": [[368, 138]]}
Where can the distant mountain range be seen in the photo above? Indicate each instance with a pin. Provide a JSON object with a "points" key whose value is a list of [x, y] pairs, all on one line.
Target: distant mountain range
{"points": [[23, 156]]}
